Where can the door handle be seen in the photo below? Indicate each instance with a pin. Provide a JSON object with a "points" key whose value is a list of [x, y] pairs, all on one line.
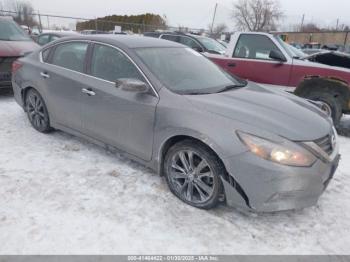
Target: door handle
{"points": [[231, 64], [45, 75], [89, 92]]}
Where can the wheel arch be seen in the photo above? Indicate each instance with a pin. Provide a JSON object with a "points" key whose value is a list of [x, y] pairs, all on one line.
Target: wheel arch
{"points": [[24, 92], [172, 140], [228, 179], [331, 85]]}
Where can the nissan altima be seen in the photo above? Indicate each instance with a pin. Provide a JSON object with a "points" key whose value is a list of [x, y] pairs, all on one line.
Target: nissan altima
{"points": [[214, 137]]}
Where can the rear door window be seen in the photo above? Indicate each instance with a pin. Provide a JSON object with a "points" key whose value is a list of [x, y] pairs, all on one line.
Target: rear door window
{"points": [[46, 55], [71, 56]]}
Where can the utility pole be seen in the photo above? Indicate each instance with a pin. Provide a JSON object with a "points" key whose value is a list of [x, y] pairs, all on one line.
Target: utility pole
{"points": [[48, 22], [336, 29], [212, 24], [40, 24], [302, 23]]}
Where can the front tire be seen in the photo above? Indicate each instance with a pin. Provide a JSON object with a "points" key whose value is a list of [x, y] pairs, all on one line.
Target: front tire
{"points": [[331, 101], [37, 112], [192, 172]]}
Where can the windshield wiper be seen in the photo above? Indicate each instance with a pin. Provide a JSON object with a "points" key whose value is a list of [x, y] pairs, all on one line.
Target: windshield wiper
{"points": [[230, 87], [197, 93]]}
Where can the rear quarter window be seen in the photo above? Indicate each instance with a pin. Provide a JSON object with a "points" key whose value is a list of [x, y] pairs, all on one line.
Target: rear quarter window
{"points": [[45, 55]]}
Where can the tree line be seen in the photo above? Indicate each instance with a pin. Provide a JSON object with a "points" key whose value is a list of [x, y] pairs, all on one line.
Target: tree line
{"points": [[134, 23], [247, 15]]}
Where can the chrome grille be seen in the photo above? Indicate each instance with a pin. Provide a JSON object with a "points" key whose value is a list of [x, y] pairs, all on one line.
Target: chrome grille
{"points": [[325, 143]]}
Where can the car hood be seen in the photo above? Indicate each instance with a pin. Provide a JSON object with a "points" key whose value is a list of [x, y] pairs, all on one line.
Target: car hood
{"points": [[16, 48], [331, 58], [278, 112]]}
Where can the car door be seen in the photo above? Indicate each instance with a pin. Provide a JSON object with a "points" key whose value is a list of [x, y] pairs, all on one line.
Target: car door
{"points": [[63, 77], [251, 61], [119, 118]]}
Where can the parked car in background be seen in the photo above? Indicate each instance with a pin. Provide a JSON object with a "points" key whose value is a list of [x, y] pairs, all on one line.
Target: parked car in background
{"points": [[331, 58], [296, 45], [46, 38], [224, 43], [268, 60], [344, 49], [331, 47], [196, 42], [309, 51], [312, 45], [117, 33], [14, 43], [213, 136], [93, 32]]}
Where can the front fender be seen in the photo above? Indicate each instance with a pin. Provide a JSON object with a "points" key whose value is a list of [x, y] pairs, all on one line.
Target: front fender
{"points": [[168, 134]]}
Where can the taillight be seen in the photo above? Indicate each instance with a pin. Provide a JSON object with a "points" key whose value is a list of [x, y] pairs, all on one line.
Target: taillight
{"points": [[16, 66]]}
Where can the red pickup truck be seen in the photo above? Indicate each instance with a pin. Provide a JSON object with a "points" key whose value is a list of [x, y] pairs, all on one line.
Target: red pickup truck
{"points": [[14, 43], [268, 60]]}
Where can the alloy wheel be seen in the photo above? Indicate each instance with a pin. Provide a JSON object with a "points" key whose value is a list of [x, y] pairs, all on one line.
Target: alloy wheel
{"points": [[191, 176], [36, 111]]}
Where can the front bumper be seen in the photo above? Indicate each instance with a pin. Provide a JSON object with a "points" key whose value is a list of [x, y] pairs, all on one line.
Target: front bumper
{"points": [[264, 186]]}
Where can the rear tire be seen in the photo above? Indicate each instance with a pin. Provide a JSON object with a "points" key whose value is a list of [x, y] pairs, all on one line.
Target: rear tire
{"points": [[192, 172], [333, 103], [37, 112]]}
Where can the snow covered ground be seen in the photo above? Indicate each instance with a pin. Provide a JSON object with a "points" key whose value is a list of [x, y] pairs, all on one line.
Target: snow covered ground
{"points": [[62, 195]]}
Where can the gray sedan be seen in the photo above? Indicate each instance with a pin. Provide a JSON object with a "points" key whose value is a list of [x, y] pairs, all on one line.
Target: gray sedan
{"points": [[213, 137]]}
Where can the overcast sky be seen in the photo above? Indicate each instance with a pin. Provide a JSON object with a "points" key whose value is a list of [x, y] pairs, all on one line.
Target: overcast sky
{"points": [[195, 13]]}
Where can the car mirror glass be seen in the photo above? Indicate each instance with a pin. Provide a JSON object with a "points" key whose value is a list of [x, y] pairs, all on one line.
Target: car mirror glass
{"points": [[198, 49], [132, 85]]}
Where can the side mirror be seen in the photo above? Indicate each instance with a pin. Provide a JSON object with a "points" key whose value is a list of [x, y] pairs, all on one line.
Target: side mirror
{"points": [[132, 85], [198, 49], [277, 55]]}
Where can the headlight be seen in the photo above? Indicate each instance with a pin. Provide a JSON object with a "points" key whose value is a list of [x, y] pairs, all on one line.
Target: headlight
{"points": [[285, 153]]}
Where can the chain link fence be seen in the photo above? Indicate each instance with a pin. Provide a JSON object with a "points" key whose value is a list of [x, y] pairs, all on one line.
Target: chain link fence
{"points": [[38, 23]]}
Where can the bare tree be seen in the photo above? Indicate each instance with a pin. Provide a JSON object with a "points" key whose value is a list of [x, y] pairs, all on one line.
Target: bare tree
{"points": [[1, 8], [341, 27], [23, 12], [217, 31], [256, 15]]}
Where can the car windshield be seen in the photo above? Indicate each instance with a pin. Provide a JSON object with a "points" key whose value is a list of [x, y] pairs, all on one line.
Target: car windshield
{"points": [[10, 31], [291, 50], [211, 44], [185, 71]]}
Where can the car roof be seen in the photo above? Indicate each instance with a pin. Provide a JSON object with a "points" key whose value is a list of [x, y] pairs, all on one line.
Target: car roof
{"points": [[127, 41]]}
